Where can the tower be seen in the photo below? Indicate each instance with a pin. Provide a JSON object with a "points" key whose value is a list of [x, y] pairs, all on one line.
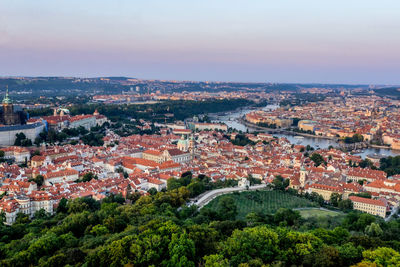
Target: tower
{"points": [[183, 144], [7, 103], [9, 116], [303, 176], [192, 146]]}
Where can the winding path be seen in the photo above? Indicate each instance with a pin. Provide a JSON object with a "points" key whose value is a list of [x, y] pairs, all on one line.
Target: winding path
{"points": [[206, 197]]}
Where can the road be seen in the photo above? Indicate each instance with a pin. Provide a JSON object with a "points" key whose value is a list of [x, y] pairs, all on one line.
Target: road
{"points": [[205, 198], [394, 211]]}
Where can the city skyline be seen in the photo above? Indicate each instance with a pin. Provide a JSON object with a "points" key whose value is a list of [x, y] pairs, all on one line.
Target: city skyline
{"points": [[287, 42]]}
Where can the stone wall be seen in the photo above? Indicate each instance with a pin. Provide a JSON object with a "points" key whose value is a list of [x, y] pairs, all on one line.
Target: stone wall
{"points": [[8, 133]]}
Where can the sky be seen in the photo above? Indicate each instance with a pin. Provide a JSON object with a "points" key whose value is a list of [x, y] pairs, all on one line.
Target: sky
{"points": [[331, 41]]}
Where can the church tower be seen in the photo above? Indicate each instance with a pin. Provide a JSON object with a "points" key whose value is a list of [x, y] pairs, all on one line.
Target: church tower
{"points": [[9, 117], [192, 146], [303, 176]]}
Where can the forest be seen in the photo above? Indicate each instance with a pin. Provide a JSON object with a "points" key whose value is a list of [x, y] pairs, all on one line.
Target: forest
{"points": [[180, 109], [159, 229]]}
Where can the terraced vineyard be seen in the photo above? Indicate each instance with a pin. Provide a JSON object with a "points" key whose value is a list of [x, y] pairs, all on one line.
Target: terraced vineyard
{"points": [[264, 201]]}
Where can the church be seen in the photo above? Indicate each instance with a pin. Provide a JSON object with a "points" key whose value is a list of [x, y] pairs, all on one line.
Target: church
{"points": [[10, 115]]}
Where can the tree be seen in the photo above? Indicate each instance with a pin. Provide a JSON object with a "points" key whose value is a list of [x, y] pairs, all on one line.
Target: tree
{"points": [[314, 196], [250, 243], [318, 159], [195, 188], [39, 179], [280, 183], [335, 198], [173, 183], [286, 217], [253, 180], [22, 218], [21, 140], [41, 214], [2, 217], [227, 208], [99, 230], [152, 191], [366, 163], [255, 219], [215, 260], [381, 257], [62, 206], [295, 246], [349, 254], [373, 230], [345, 204], [88, 177], [357, 138], [181, 250], [327, 256]]}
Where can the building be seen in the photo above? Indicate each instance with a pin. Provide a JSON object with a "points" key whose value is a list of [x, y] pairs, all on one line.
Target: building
{"points": [[371, 206], [183, 144], [324, 190], [18, 154], [8, 115], [360, 174], [176, 155], [12, 122], [100, 119], [154, 155], [68, 175], [86, 121], [208, 126], [26, 204], [307, 125]]}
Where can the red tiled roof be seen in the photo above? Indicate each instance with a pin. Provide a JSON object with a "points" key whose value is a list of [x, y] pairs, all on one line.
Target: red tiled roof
{"points": [[66, 172], [367, 201]]}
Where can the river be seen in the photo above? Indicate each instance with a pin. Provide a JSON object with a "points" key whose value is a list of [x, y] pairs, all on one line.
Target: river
{"points": [[232, 120]]}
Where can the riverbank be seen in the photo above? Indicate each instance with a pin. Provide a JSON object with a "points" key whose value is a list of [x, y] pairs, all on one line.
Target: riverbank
{"points": [[234, 119], [380, 147], [282, 131]]}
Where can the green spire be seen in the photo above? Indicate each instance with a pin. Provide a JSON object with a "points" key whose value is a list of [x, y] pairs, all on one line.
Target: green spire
{"points": [[6, 99]]}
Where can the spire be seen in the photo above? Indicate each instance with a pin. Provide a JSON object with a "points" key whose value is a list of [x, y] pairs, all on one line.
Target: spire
{"points": [[6, 99]]}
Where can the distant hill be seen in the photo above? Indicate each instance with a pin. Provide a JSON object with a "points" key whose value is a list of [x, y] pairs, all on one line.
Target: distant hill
{"points": [[390, 91]]}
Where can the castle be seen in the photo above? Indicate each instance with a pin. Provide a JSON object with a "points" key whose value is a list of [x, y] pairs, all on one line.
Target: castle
{"points": [[9, 116], [13, 121]]}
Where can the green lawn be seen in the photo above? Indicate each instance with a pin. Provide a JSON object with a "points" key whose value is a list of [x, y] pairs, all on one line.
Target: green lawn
{"points": [[316, 213], [264, 201]]}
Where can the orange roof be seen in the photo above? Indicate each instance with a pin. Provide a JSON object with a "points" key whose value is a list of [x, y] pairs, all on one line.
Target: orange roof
{"points": [[367, 201], [153, 152], [80, 117], [38, 158], [66, 172]]}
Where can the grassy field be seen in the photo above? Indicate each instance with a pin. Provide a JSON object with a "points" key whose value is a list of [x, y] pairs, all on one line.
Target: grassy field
{"points": [[316, 213], [264, 201]]}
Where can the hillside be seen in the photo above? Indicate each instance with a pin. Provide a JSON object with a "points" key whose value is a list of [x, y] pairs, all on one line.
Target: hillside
{"points": [[153, 231]]}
